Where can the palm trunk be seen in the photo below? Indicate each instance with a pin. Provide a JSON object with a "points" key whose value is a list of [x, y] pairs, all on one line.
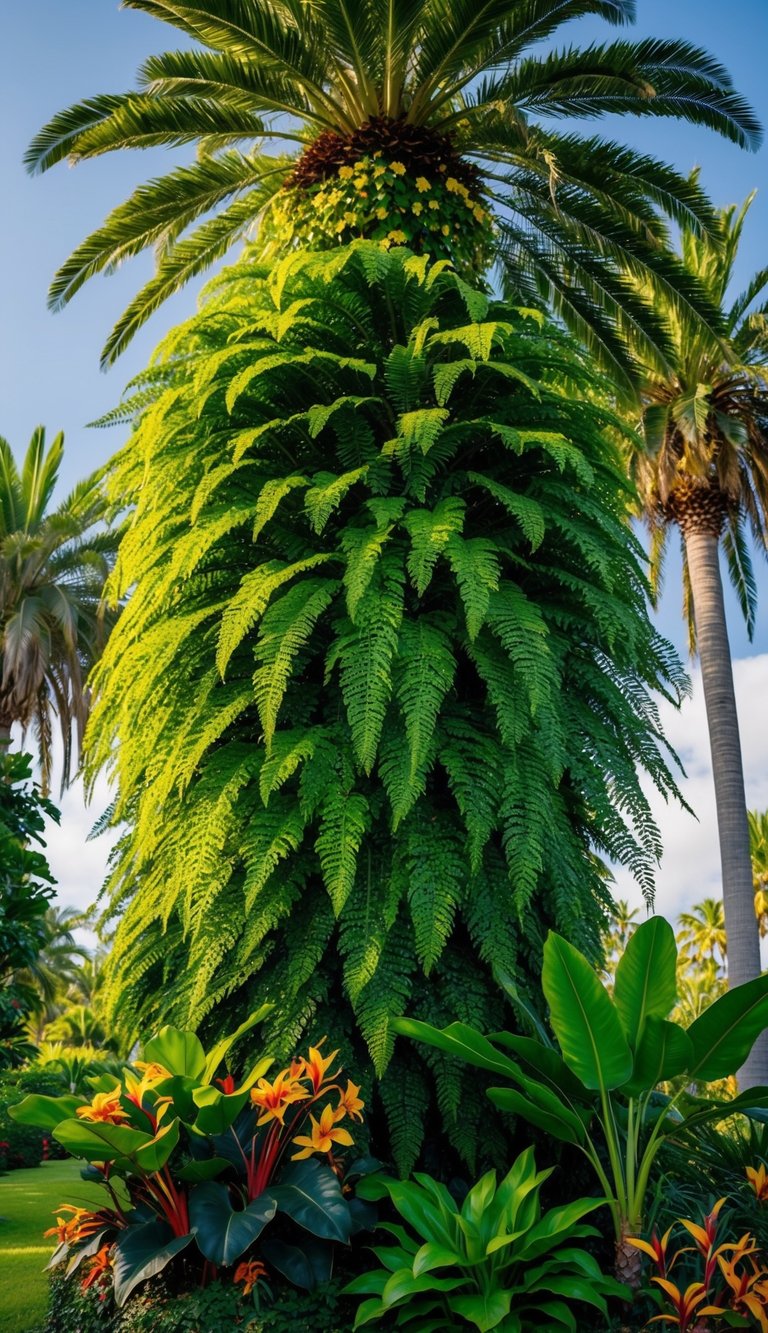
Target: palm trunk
{"points": [[702, 550]]}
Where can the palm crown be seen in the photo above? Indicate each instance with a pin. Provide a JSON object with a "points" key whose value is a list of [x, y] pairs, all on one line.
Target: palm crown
{"points": [[706, 422], [52, 571], [428, 83]]}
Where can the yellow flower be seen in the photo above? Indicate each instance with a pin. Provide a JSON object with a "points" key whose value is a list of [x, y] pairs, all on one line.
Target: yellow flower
{"points": [[339, 227], [422, 184], [104, 1107], [380, 170], [433, 204], [463, 191], [758, 1179], [417, 208], [331, 199], [322, 1136], [350, 217], [452, 185], [397, 237], [315, 1067], [275, 1098], [479, 213], [445, 229], [398, 168], [345, 173], [349, 1103], [362, 179], [381, 213], [151, 1070]]}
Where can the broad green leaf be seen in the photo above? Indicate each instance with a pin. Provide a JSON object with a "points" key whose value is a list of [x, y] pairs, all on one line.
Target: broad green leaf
{"points": [[485, 1310], [460, 1040], [544, 1061], [178, 1052], [141, 1253], [403, 1285], [197, 1172], [646, 977], [222, 1048], [726, 1032], [153, 1156], [98, 1141], [543, 1109], [310, 1193], [223, 1233], [45, 1112], [306, 1265], [665, 1050], [432, 1256], [217, 1110], [583, 1018]]}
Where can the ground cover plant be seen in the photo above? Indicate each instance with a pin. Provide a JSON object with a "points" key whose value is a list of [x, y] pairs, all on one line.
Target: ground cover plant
{"points": [[386, 665]]}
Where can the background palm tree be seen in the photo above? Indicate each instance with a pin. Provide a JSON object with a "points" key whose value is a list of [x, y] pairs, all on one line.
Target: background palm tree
{"points": [[704, 469], [758, 848], [702, 932], [447, 85], [57, 966], [53, 563]]}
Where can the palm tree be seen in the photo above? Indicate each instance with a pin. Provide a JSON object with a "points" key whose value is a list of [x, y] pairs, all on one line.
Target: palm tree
{"points": [[53, 563], [703, 932], [703, 467], [758, 849], [434, 86], [58, 964]]}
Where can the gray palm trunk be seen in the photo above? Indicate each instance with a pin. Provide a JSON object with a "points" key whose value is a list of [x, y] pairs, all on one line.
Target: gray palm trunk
{"points": [[702, 551]]}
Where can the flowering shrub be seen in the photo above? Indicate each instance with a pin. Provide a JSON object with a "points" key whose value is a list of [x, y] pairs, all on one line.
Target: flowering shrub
{"points": [[383, 202], [198, 1165], [727, 1281]]}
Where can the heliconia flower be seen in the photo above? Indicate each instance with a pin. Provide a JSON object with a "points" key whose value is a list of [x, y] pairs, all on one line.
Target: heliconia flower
{"points": [[398, 168], [104, 1107], [275, 1098], [315, 1067], [226, 1084], [748, 1290], [687, 1305], [704, 1236], [349, 1103], [322, 1136], [82, 1223], [99, 1269], [758, 1179], [152, 1071], [656, 1248], [422, 184], [249, 1273]]}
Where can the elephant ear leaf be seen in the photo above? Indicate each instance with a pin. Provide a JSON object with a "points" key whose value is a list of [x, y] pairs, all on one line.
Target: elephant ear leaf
{"points": [[726, 1032], [583, 1017], [646, 977]]}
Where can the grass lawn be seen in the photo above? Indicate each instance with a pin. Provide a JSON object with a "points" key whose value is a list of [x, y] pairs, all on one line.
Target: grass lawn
{"points": [[27, 1201]]}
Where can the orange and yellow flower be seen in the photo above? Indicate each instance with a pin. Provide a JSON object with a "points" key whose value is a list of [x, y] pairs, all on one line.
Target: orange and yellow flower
{"points": [[105, 1107], [686, 1304], [322, 1135], [758, 1179], [99, 1268], [349, 1103], [275, 1098], [315, 1068], [152, 1071], [249, 1273]]}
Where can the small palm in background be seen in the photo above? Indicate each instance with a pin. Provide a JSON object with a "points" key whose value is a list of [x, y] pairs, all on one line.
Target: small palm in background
{"points": [[53, 563]]}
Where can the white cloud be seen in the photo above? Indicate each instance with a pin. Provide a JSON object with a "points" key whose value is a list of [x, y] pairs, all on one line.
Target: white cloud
{"points": [[690, 868]]}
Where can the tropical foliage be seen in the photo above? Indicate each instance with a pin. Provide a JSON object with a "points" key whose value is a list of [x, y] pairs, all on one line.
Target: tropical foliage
{"points": [[598, 1089], [198, 1165], [385, 668], [53, 563], [429, 86], [500, 1260]]}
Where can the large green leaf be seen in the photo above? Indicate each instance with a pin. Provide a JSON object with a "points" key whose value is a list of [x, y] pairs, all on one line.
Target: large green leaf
{"points": [[583, 1018], [44, 1112], [484, 1310], [726, 1032], [98, 1141], [217, 1110], [646, 977], [460, 1040], [179, 1052], [310, 1193], [306, 1265], [665, 1050], [141, 1253], [543, 1061], [542, 1108], [223, 1232], [222, 1048]]}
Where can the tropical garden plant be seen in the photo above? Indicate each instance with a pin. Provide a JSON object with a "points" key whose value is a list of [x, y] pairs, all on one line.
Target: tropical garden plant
{"points": [[386, 666], [598, 1088], [702, 467], [498, 1260], [53, 563], [437, 103], [195, 1164]]}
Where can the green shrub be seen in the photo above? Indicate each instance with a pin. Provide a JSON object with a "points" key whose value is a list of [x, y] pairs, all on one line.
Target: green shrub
{"points": [[25, 1145]]}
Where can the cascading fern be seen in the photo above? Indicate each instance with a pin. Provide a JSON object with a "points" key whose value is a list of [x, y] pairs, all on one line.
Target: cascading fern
{"points": [[376, 701]]}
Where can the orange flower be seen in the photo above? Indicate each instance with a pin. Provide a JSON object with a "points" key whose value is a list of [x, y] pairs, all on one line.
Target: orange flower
{"points": [[656, 1248], [104, 1107], [758, 1179], [322, 1137], [315, 1066], [249, 1273], [82, 1223], [152, 1071], [686, 1304], [748, 1291], [275, 1098], [100, 1268], [349, 1103]]}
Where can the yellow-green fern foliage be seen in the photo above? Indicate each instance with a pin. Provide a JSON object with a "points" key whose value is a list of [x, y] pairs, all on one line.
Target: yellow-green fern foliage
{"points": [[380, 696]]}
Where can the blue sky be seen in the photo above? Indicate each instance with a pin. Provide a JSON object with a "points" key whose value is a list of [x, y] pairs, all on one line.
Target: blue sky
{"points": [[59, 51]]}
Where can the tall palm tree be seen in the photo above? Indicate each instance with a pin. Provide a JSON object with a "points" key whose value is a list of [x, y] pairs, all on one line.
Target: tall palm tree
{"points": [[758, 848], [57, 965], [702, 932], [53, 563], [703, 468], [451, 86]]}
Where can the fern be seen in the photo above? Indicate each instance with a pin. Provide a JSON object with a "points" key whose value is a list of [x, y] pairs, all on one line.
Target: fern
{"points": [[362, 492]]}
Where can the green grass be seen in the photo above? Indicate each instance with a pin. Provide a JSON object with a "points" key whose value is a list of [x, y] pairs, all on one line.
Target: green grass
{"points": [[27, 1202]]}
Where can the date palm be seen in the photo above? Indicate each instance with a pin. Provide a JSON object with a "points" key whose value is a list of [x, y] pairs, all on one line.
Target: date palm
{"points": [[452, 85], [704, 469], [53, 563]]}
